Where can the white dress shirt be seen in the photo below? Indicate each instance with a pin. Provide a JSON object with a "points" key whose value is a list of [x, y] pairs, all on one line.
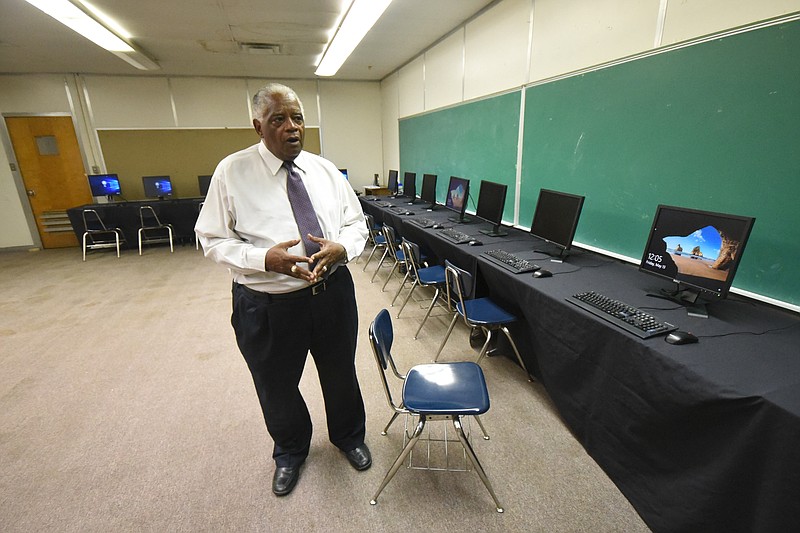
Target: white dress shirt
{"points": [[247, 211]]}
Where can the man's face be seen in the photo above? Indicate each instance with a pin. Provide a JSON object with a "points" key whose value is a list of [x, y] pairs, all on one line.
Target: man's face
{"points": [[282, 127]]}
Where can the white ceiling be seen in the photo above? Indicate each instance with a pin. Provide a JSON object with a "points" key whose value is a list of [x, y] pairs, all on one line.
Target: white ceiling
{"points": [[202, 37]]}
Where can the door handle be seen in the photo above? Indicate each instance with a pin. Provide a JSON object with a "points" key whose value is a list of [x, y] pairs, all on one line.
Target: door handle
{"points": [[31, 192]]}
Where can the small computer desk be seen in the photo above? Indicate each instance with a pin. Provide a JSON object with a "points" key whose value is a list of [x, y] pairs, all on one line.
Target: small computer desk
{"points": [[181, 213], [698, 437]]}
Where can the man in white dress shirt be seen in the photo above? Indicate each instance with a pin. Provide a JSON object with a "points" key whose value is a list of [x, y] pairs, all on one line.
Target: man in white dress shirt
{"points": [[292, 293]]}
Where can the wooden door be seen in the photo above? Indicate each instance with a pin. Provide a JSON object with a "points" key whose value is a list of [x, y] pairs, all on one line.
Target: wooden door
{"points": [[50, 162]]}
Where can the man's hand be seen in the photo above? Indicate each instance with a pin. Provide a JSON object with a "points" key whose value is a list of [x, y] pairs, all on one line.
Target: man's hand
{"points": [[279, 260], [330, 253]]}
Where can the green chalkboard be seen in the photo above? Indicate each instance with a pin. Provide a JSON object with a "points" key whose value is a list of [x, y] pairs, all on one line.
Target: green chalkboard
{"points": [[713, 126], [476, 141]]}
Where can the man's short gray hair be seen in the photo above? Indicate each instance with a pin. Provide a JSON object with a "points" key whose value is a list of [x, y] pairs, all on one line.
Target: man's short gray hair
{"points": [[263, 97]]}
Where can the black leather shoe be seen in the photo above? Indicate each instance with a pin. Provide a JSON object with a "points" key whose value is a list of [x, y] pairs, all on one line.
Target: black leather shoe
{"points": [[284, 479], [360, 457]]}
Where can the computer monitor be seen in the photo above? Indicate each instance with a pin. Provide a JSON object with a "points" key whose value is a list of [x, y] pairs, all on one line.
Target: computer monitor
{"points": [[410, 186], [344, 173], [429, 190], [105, 185], [491, 202], [456, 199], [698, 250], [203, 182], [157, 186], [556, 218], [392, 185]]}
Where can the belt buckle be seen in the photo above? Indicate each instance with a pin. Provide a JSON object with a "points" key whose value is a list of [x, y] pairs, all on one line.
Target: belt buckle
{"points": [[318, 288]]}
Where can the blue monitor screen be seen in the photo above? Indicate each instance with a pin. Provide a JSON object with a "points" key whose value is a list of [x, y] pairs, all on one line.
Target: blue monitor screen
{"points": [[344, 173], [104, 185], [697, 249], [157, 186]]}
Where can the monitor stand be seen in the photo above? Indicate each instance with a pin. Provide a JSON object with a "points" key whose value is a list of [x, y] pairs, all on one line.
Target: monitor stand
{"points": [[686, 297], [494, 232], [460, 220]]}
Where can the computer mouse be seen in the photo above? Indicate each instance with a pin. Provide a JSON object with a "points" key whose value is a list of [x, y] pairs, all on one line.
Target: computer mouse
{"points": [[436, 226], [409, 213], [542, 273], [681, 337], [475, 243]]}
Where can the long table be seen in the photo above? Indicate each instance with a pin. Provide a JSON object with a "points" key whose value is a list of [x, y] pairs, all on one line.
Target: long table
{"points": [[181, 213], [699, 437]]}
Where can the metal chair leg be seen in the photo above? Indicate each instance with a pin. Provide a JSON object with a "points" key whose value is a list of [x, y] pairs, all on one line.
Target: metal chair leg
{"points": [[483, 429], [446, 336], [403, 284], [391, 273], [391, 421], [475, 463], [408, 296], [504, 329], [485, 347], [380, 264], [399, 461], [427, 313]]}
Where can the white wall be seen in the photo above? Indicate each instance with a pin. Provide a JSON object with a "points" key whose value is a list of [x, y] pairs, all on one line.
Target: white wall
{"points": [[519, 42], [347, 113]]}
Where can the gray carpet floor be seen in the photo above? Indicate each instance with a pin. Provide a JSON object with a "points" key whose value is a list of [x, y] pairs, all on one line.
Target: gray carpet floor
{"points": [[125, 406]]}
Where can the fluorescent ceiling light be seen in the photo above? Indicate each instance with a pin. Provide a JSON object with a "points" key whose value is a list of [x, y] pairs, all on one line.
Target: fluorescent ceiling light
{"points": [[73, 16], [361, 16]]}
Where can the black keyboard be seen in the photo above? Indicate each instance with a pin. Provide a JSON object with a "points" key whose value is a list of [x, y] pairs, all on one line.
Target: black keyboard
{"points": [[629, 318], [510, 261], [423, 222], [384, 203], [400, 210], [455, 236]]}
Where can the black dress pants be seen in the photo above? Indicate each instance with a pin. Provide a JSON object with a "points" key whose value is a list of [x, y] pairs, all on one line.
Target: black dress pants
{"points": [[275, 333]]}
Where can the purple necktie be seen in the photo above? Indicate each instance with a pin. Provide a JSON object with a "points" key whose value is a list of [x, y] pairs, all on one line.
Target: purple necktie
{"points": [[304, 213]]}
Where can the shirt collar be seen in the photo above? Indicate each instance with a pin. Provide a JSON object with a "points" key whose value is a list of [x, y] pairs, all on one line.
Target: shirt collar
{"points": [[274, 163]]}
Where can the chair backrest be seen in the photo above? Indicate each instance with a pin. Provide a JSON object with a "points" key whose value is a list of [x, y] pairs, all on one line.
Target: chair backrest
{"points": [[391, 240], [92, 221], [381, 336], [412, 255], [459, 285], [370, 227], [148, 217]]}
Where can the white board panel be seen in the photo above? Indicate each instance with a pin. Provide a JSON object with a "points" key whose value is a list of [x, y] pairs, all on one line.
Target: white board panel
{"points": [[496, 49], [570, 35]]}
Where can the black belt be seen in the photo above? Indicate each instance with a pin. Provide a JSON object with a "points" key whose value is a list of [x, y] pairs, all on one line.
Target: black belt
{"points": [[307, 292]]}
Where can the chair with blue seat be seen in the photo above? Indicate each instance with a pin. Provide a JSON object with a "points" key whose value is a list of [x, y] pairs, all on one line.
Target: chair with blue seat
{"points": [[431, 392], [481, 313], [432, 276], [374, 238]]}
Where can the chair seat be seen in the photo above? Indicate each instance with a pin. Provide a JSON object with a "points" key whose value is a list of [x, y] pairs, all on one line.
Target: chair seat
{"points": [[379, 239], [484, 312], [446, 388], [431, 275]]}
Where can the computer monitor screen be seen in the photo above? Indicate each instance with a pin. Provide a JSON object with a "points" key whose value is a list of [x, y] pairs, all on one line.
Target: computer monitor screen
{"points": [[157, 186], [104, 185], [410, 185], [491, 202], [429, 190], [344, 173], [392, 185], [203, 182], [457, 195], [698, 250], [556, 217]]}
